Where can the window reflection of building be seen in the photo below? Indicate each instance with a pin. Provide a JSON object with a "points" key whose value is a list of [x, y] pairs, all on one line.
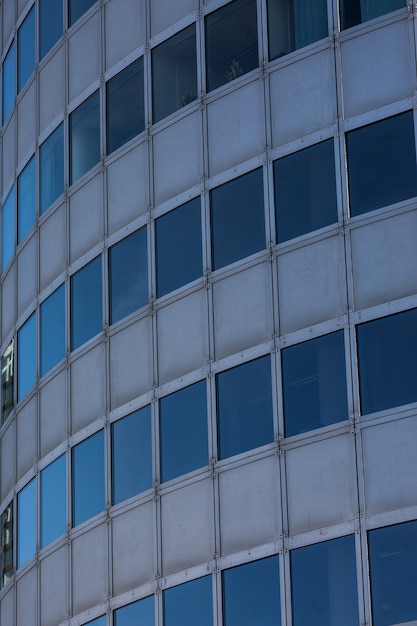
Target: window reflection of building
{"points": [[7, 382], [6, 545]]}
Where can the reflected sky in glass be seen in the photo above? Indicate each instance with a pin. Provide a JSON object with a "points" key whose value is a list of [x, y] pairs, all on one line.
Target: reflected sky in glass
{"points": [[88, 478], [141, 613], [190, 604], [50, 24], [26, 361], [86, 303], [26, 523], [100, 621], [8, 82], [26, 49], [53, 501], [128, 275], [26, 208], [51, 166], [84, 132], [125, 106], [53, 330], [7, 234]]}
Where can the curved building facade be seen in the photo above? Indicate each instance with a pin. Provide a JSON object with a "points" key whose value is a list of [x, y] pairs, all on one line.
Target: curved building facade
{"points": [[208, 314]]}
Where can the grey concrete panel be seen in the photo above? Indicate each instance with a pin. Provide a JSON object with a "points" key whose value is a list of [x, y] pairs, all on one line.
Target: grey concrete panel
{"points": [[27, 436], [84, 51], [86, 217], [27, 274], [54, 586], [51, 89], [8, 301], [8, 19], [52, 246], [89, 578], [7, 459], [7, 607], [53, 413], [88, 396], [9, 152], [164, 14], [26, 599], [125, 28], [26, 120]]}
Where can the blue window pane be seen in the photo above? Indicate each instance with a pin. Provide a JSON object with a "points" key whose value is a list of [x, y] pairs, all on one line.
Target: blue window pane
{"points": [[50, 24], [393, 563], [237, 219], [77, 8], [84, 132], [53, 506], [139, 613], [323, 584], [8, 82], [7, 232], [131, 455], [26, 523], [7, 382], [353, 12], [314, 384], [387, 350], [86, 303], [51, 166], [100, 621], [189, 604], [305, 191], [26, 49], [88, 478], [26, 357], [128, 275], [381, 163], [244, 407], [26, 200], [52, 330], [6, 545], [125, 106], [183, 431], [251, 594], [178, 247]]}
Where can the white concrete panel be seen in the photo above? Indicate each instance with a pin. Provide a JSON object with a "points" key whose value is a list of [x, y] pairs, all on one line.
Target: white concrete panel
{"points": [[390, 465], [7, 610], [54, 585], [163, 13], [128, 187], [377, 68], [7, 459], [52, 246], [88, 395], [27, 436], [133, 548], [26, 116], [303, 97], [187, 526], [53, 413], [242, 310], [8, 301], [249, 500], [321, 484], [27, 274], [236, 127], [312, 284], [125, 28], [9, 152], [178, 157], [51, 89], [89, 560], [131, 362], [384, 258], [182, 336], [86, 217], [26, 592], [84, 52]]}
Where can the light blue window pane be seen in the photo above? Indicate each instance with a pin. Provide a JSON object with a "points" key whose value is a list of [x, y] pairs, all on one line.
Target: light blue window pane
{"points": [[88, 478], [84, 127], [183, 431], [8, 82], [189, 604], [131, 455], [7, 232], [26, 49], [53, 501], [50, 24], [77, 8], [26, 201], [100, 621], [251, 594], [26, 357], [86, 304], [26, 523], [141, 613], [51, 166], [52, 330], [323, 584]]}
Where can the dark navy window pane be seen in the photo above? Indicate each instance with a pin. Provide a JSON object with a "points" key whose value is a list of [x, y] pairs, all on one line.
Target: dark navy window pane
{"points": [[26, 523], [244, 407], [8, 229], [305, 191], [141, 613], [86, 303], [393, 563], [125, 106], [7, 382], [51, 165], [251, 594], [323, 584], [231, 42], [84, 130], [6, 545], [131, 455], [50, 25], [353, 12], [52, 330], [381, 163], [314, 384], [88, 478], [26, 49], [237, 219], [128, 275], [26, 358], [189, 604], [387, 350], [77, 8], [8, 82], [178, 247], [183, 431], [26, 203], [53, 501], [174, 73]]}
